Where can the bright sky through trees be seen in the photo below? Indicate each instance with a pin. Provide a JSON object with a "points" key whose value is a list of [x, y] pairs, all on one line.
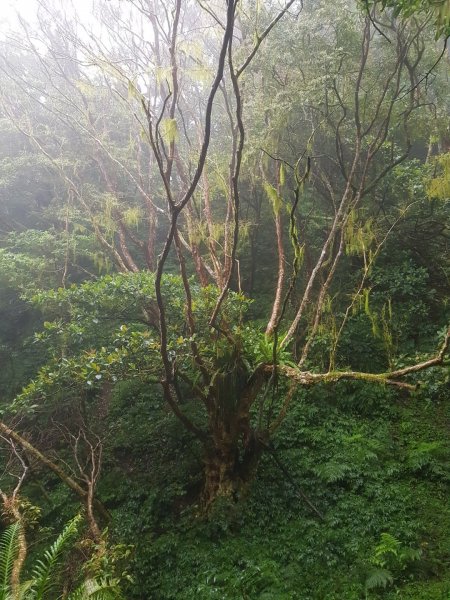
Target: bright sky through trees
{"points": [[28, 9]]}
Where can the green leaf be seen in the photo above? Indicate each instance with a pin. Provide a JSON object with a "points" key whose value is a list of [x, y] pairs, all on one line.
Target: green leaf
{"points": [[8, 552]]}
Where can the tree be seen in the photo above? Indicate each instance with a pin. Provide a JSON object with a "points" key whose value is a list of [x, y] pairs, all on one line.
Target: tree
{"points": [[180, 150], [438, 11]]}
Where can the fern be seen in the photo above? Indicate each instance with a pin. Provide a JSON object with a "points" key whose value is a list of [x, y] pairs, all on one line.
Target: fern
{"points": [[388, 547], [264, 352], [94, 589], [8, 552], [44, 570], [379, 578], [44, 573], [24, 588]]}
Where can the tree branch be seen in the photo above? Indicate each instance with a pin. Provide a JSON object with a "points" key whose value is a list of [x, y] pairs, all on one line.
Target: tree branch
{"points": [[71, 483], [388, 378]]}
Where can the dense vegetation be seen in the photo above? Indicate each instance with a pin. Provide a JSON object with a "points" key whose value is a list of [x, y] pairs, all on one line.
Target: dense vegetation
{"points": [[224, 291]]}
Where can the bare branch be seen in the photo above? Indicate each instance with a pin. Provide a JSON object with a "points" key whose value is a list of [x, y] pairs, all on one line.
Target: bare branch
{"points": [[261, 37]]}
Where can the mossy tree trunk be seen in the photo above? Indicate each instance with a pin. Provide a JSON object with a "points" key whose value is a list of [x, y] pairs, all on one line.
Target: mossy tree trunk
{"points": [[233, 448]]}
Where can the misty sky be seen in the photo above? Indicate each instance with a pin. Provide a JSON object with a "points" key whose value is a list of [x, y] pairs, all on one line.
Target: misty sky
{"points": [[28, 8]]}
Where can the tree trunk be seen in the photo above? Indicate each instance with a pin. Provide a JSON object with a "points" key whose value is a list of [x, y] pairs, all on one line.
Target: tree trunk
{"points": [[233, 448], [221, 477], [229, 469]]}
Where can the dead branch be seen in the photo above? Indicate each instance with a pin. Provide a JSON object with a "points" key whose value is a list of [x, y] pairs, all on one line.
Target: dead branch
{"points": [[55, 468]]}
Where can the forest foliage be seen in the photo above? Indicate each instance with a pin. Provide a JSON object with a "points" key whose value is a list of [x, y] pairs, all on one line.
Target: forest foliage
{"points": [[224, 290]]}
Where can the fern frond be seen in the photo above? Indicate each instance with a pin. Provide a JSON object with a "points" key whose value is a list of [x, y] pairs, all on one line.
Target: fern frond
{"points": [[25, 587], [44, 570], [96, 589], [8, 552], [378, 578]]}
